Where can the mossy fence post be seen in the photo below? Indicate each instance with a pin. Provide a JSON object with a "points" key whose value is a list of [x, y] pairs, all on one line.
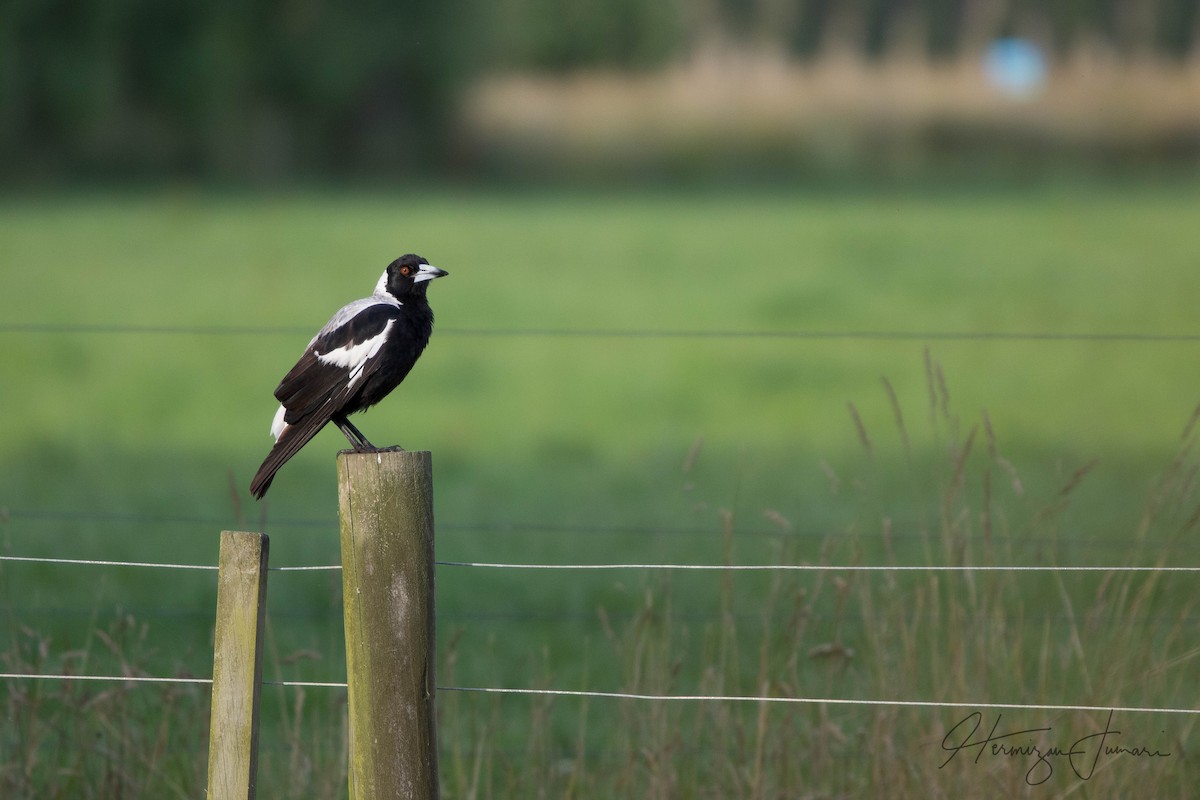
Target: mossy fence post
{"points": [[386, 510], [237, 666]]}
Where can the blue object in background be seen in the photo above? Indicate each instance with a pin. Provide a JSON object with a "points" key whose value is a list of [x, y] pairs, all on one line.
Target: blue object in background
{"points": [[1016, 67]]}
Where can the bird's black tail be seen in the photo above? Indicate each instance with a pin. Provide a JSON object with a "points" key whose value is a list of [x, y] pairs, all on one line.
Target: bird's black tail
{"points": [[289, 443]]}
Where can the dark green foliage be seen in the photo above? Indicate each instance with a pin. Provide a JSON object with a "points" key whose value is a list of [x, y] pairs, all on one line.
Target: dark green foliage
{"points": [[260, 90], [274, 89]]}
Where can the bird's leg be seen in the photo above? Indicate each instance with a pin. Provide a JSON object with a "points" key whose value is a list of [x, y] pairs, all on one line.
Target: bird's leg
{"points": [[353, 434]]}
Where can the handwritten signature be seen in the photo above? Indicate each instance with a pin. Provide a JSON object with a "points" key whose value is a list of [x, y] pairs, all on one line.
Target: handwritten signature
{"points": [[1083, 756]]}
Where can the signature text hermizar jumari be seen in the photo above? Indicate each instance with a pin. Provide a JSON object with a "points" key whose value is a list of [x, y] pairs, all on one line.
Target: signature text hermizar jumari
{"points": [[1083, 755]]}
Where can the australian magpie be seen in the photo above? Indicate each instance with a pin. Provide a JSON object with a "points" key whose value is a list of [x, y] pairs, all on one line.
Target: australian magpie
{"points": [[352, 363]]}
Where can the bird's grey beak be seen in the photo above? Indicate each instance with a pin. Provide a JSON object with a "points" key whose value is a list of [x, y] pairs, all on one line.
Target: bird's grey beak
{"points": [[428, 272]]}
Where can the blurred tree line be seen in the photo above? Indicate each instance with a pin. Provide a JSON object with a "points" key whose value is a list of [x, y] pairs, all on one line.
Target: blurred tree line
{"points": [[270, 89]]}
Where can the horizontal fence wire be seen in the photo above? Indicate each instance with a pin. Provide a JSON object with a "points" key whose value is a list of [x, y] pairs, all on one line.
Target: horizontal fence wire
{"points": [[634, 695], [116, 678], [156, 565], [293, 615], [909, 530], [100, 563], [149, 679], [816, 700], [615, 333], [821, 567], [687, 698], [697, 567]]}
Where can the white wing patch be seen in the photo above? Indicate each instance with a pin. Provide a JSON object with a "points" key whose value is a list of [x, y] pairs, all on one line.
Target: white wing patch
{"points": [[355, 357], [277, 424]]}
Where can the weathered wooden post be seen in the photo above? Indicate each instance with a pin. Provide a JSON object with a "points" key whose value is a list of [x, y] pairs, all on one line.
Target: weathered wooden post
{"points": [[237, 666], [386, 510]]}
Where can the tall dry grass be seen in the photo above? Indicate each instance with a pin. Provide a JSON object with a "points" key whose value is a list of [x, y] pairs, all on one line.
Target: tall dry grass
{"points": [[1095, 639], [1098, 639], [64, 740]]}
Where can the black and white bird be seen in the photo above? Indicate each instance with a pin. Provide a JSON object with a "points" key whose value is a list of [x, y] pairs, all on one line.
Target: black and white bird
{"points": [[361, 354]]}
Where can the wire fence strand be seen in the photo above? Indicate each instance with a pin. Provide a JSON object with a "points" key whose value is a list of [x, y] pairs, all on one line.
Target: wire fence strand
{"points": [[157, 565], [906, 530], [823, 567], [151, 679], [695, 567], [815, 700], [114, 678], [634, 695], [102, 563], [64, 328], [666, 698]]}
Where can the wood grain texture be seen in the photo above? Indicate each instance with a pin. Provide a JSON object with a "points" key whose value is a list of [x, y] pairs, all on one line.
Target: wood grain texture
{"points": [[237, 666], [386, 511]]}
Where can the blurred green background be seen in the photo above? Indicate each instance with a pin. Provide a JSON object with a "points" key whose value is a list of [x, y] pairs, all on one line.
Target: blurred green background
{"points": [[693, 248], [271, 92]]}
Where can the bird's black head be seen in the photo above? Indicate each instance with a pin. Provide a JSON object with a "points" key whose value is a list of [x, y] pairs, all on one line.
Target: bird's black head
{"points": [[406, 276]]}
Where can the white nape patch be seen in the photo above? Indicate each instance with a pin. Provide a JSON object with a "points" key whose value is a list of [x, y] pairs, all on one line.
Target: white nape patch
{"points": [[355, 357], [381, 285], [277, 424]]}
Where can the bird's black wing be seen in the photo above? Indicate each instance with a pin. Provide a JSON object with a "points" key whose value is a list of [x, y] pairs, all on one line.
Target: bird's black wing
{"points": [[336, 363], [325, 379]]}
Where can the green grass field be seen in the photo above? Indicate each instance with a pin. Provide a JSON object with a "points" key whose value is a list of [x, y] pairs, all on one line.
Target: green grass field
{"points": [[598, 448]]}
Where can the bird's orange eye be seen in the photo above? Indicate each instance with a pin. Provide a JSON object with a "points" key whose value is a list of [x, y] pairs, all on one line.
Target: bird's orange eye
{"points": [[406, 270]]}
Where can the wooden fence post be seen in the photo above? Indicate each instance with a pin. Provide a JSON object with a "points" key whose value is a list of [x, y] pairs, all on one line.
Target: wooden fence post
{"points": [[386, 511], [237, 666]]}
